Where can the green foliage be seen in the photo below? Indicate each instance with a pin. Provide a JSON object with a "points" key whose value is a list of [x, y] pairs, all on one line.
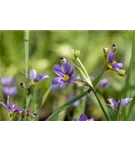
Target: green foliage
{"points": [[45, 49]]}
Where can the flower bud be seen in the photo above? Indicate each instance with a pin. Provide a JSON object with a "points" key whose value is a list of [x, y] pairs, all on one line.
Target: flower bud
{"points": [[63, 60], [77, 53], [122, 72], [22, 84], [105, 50], [114, 47]]}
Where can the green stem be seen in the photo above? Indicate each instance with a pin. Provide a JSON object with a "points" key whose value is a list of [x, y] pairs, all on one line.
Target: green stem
{"points": [[101, 105], [10, 116], [84, 71], [119, 114], [81, 65], [26, 47], [67, 105], [99, 76]]}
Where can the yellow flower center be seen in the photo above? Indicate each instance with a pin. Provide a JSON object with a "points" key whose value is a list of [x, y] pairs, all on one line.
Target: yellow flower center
{"points": [[33, 83], [110, 66], [66, 77]]}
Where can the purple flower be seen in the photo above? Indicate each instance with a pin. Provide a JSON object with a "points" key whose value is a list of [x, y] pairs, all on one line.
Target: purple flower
{"points": [[13, 108], [10, 91], [114, 64], [7, 81], [36, 78], [75, 104], [65, 75], [121, 103], [104, 83], [83, 117]]}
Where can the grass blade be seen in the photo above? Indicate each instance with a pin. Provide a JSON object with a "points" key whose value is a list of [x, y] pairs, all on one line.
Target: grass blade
{"points": [[67, 105], [127, 83]]}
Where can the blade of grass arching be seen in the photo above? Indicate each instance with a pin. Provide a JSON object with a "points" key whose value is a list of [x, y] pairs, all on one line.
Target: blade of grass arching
{"points": [[67, 105], [129, 71]]}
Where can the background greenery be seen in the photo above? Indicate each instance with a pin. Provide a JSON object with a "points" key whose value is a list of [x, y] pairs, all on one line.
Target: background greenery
{"points": [[46, 47]]}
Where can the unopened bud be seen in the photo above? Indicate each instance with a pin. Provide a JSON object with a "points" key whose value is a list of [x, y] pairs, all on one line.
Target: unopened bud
{"points": [[122, 72], [105, 50], [22, 84], [114, 47], [77, 53], [63, 60]]}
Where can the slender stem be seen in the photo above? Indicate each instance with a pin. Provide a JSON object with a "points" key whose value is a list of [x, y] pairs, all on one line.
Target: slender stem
{"points": [[26, 47], [99, 76], [84, 71], [101, 105], [118, 115], [67, 105], [10, 116], [81, 65]]}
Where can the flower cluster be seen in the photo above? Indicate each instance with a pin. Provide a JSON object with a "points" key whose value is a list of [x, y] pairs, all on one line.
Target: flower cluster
{"points": [[12, 108], [8, 88], [65, 76], [16, 113], [120, 103], [112, 63]]}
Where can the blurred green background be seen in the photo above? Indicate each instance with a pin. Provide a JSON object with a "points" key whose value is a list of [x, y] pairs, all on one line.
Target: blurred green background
{"points": [[45, 49]]}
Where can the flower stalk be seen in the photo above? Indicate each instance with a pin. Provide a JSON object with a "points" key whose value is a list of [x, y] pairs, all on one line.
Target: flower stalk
{"points": [[26, 47]]}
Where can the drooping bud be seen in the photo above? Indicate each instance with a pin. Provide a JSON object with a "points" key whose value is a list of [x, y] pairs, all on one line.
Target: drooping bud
{"points": [[121, 72], [114, 47], [77, 53], [63, 60]]}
